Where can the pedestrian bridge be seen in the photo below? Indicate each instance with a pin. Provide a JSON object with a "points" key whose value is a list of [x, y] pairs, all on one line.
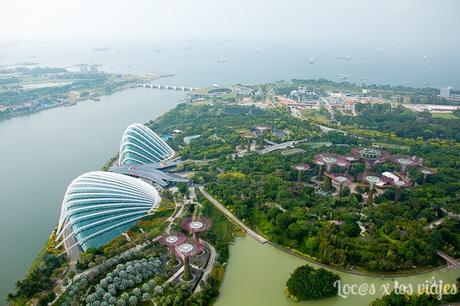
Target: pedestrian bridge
{"points": [[450, 261]]}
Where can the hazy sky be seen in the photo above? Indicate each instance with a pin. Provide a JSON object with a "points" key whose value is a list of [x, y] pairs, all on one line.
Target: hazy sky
{"points": [[356, 21]]}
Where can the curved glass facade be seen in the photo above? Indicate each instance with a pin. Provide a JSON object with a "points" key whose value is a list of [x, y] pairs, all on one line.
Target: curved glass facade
{"points": [[98, 206], [140, 145]]}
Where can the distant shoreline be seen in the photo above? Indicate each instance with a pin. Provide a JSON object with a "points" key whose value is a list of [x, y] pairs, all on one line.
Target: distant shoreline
{"points": [[68, 104]]}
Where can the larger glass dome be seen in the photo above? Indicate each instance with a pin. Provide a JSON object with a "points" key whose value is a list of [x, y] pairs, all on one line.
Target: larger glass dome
{"points": [[99, 206], [140, 145]]}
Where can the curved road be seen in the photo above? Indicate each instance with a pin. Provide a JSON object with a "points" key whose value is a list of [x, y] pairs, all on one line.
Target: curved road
{"points": [[232, 217]]}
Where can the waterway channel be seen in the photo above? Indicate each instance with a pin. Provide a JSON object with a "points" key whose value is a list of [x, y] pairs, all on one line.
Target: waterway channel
{"points": [[257, 273]]}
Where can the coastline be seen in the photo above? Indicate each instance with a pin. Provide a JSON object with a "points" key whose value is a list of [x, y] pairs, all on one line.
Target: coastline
{"points": [[20, 114]]}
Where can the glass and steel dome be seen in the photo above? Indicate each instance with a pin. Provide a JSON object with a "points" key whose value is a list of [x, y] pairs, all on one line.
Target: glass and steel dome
{"points": [[99, 206], [140, 145]]}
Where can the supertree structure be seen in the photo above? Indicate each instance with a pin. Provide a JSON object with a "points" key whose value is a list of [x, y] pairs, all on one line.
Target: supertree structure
{"points": [[426, 172], [300, 168], [185, 251], [371, 157], [171, 241], [329, 160], [243, 133], [196, 226], [261, 129], [402, 183], [249, 137], [341, 179], [372, 180], [406, 161], [351, 160]]}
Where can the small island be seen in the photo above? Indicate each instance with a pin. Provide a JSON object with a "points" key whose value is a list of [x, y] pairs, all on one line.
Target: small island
{"points": [[308, 283]]}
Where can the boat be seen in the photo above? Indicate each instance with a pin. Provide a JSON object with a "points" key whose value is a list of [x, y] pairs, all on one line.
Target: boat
{"points": [[70, 103], [101, 49], [343, 57]]}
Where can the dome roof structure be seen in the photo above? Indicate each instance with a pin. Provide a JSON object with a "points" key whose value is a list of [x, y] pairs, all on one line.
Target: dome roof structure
{"points": [[99, 206], [140, 145]]}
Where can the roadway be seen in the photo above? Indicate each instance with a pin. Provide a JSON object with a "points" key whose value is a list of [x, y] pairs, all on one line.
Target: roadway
{"points": [[233, 218]]}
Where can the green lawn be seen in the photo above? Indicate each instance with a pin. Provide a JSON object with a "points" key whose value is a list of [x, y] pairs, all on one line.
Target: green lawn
{"points": [[444, 115]]}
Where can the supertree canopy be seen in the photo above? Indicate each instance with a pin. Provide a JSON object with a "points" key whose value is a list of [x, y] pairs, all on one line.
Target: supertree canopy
{"points": [[426, 172], [185, 250], [402, 183], [261, 129], [352, 158], [329, 160], [406, 161], [372, 180], [300, 168], [341, 179], [196, 226], [371, 157], [171, 241]]}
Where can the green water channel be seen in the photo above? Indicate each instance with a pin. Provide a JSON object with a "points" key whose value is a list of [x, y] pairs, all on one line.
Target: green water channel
{"points": [[256, 275]]}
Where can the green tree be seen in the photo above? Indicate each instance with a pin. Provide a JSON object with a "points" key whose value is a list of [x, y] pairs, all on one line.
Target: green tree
{"points": [[307, 283]]}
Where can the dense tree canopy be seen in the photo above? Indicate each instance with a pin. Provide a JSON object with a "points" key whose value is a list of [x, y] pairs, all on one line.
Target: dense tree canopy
{"points": [[307, 283]]}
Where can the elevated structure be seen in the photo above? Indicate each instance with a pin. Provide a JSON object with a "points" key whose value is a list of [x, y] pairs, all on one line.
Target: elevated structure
{"points": [[261, 129], [340, 179], [244, 140], [273, 146], [372, 180], [426, 172], [329, 160], [196, 226], [371, 157], [185, 251], [140, 145], [405, 162], [171, 241], [399, 185], [249, 137], [351, 160], [155, 173], [300, 168], [99, 206], [451, 262]]}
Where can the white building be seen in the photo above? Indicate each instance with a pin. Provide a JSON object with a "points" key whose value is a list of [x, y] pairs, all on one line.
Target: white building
{"points": [[445, 92]]}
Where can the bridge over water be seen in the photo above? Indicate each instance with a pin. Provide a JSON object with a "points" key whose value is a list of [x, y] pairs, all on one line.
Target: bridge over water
{"points": [[451, 262], [168, 87]]}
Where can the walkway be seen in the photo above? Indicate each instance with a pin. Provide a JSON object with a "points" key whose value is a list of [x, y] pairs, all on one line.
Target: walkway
{"points": [[234, 219], [450, 261], [179, 272], [209, 266]]}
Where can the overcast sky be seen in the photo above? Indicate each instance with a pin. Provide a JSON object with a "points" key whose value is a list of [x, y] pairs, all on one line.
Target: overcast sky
{"points": [[356, 21]]}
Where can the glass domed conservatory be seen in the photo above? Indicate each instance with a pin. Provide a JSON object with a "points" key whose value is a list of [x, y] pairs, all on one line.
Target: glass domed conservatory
{"points": [[140, 145], [99, 206]]}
